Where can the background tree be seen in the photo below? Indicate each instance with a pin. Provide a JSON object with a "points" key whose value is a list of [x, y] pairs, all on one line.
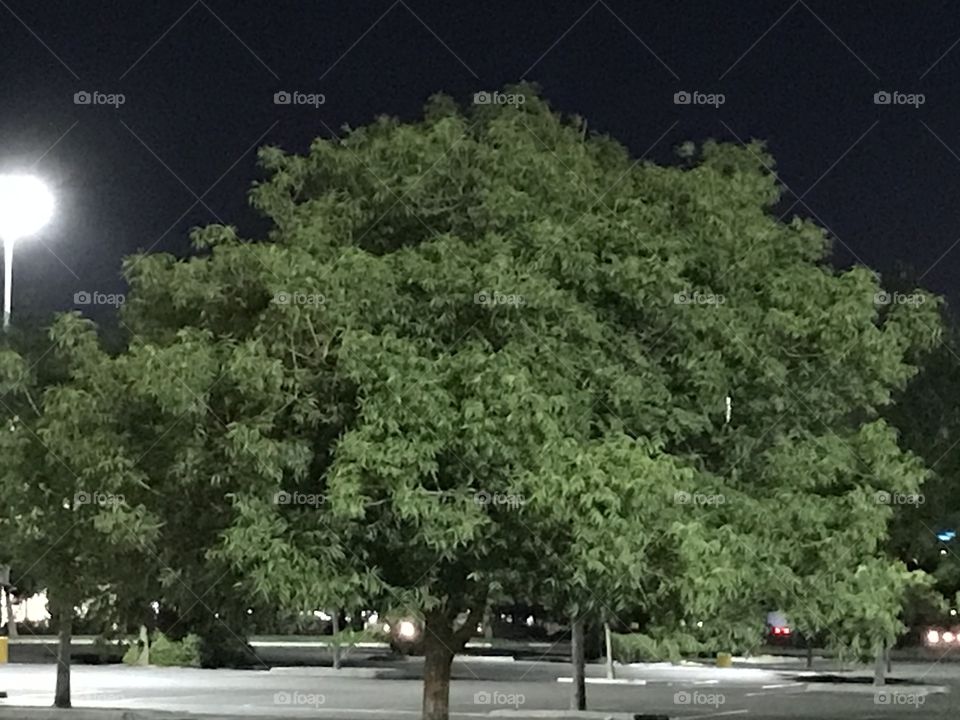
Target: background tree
{"points": [[73, 500]]}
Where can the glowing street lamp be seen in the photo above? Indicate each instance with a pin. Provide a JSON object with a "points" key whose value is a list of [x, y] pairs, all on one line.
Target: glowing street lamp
{"points": [[26, 205]]}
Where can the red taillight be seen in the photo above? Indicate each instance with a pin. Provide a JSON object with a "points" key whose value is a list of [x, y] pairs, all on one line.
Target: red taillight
{"points": [[781, 630]]}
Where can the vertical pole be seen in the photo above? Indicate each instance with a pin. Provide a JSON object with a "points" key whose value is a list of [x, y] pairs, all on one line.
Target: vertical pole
{"points": [[608, 639], [7, 282]]}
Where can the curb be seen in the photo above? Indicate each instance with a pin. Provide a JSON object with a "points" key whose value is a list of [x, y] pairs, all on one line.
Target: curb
{"points": [[605, 681], [920, 690], [344, 673], [575, 715]]}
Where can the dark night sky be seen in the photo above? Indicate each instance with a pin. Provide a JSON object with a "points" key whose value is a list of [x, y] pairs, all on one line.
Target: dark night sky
{"points": [[199, 78]]}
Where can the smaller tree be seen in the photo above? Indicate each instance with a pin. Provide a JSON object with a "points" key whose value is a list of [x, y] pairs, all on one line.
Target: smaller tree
{"points": [[73, 498]]}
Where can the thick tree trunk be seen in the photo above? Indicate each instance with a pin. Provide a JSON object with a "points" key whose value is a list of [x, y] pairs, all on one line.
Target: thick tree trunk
{"points": [[437, 663], [578, 697], [61, 698], [809, 654]]}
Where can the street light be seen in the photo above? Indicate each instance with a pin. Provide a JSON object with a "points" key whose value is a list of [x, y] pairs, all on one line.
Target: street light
{"points": [[26, 205]]}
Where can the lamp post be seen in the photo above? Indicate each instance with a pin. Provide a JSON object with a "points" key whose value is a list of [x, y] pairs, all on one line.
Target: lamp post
{"points": [[26, 205]]}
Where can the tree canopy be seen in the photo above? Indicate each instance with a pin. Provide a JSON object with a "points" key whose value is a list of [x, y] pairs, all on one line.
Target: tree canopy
{"points": [[490, 352]]}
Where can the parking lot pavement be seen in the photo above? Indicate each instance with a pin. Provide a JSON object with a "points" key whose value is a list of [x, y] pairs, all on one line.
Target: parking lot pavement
{"points": [[506, 688]]}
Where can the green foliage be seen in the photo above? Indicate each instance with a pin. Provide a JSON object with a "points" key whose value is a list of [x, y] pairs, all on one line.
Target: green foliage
{"points": [[495, 353], [640, 648], [175, 653], [133, 654]]}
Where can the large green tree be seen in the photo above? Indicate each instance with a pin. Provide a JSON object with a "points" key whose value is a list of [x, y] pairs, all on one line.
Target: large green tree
{"points": [[488, 351]]}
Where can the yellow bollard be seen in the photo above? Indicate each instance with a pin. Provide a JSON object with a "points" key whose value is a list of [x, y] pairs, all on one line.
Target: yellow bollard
{"points": [[4, 654], [724, 660]]}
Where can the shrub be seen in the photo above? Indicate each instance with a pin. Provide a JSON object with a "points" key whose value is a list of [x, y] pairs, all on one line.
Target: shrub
{"points": [[175, 653]]}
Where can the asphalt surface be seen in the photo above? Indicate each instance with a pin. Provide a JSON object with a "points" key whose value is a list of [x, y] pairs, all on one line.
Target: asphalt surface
{"points": [[488, 687]]}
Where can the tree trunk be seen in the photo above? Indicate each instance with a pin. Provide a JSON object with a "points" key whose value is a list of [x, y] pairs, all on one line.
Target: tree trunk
{"points": [[11, 620], [488, 623], [61, 698], [437, 664], [334, 641], [879, 667], [578, 697], [144, 658], [608, 639], [809, 654]]}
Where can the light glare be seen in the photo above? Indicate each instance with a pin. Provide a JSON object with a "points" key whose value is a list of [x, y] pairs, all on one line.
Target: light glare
{"points": [[26, 205]]}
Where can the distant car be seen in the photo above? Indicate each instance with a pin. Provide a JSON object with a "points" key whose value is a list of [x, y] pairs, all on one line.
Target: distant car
{"points": [[779, 631]]}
